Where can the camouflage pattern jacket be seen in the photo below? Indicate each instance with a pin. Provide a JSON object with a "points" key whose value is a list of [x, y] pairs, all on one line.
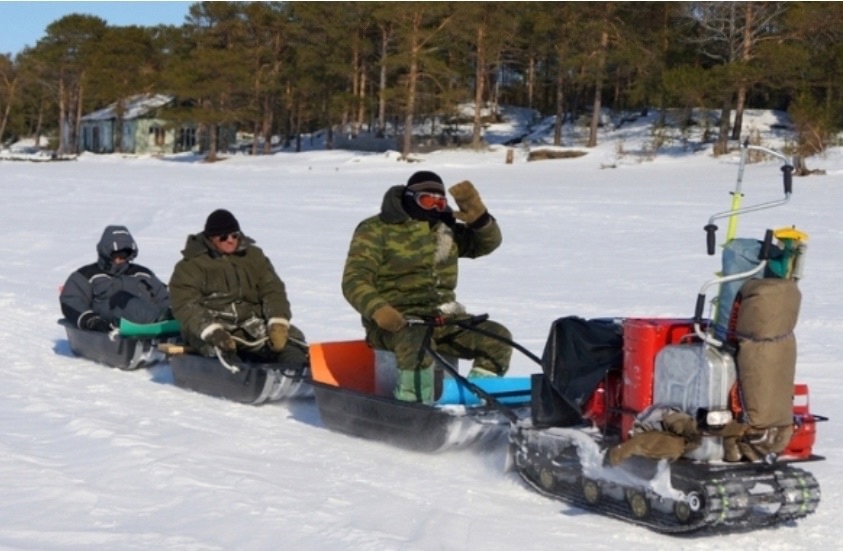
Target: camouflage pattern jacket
{"points": [[409, 264], [239, 290]]}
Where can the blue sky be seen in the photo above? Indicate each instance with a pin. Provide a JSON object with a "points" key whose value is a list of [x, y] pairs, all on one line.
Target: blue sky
{"points": [[23, 23]]}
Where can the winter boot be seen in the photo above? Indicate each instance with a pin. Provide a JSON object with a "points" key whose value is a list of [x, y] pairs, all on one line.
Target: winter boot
{"points": [[731, 451], [415, 385], [479, 372]]}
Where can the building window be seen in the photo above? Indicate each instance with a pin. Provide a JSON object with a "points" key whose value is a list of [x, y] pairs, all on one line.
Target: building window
{"points": [[186, 139], [159, 135]]}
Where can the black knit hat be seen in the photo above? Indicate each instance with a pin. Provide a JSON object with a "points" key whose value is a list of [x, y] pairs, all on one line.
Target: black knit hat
{"points": [[220, 222], [424, 180]]}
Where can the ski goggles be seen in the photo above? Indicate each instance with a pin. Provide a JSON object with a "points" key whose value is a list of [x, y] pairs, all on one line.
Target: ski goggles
{"points": [[431, 201], [122, 254]]}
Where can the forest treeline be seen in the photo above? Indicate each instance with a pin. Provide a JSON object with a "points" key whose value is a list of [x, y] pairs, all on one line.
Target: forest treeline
{"points": [[288, 68]]}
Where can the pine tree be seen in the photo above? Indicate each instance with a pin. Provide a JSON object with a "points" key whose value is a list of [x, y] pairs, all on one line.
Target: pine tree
{"points": [[63, 57]]}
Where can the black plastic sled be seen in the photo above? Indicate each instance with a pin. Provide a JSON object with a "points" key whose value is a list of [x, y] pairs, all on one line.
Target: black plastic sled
{"points": [[112, 349], [350, 402], [243, 382]]}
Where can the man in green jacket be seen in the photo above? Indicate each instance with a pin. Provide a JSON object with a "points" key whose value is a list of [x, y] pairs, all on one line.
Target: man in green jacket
{"points": [[227, 296], [403, 263]]}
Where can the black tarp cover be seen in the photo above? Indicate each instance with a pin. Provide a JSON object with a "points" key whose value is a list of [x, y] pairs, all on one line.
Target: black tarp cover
{"points": [[577, 356]]}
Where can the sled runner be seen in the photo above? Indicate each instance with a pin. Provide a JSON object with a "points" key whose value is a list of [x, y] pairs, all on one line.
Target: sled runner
{"points": [[129, 350], [683, 425], [351, 400]]}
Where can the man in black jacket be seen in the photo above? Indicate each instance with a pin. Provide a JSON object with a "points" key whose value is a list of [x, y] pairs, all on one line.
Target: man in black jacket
{"points": [[97, 296]]}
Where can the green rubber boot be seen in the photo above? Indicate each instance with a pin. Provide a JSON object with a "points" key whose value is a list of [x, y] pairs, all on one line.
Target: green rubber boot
{"points": [[415, 385], [480, 373]]}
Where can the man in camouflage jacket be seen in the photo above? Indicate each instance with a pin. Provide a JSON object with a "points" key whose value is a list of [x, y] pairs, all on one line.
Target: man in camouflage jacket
{"points": [[403, 263], [226, 295]]}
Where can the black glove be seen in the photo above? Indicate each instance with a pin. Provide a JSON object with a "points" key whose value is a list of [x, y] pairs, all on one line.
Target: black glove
{"points": [[95, 323], [221, 338]]}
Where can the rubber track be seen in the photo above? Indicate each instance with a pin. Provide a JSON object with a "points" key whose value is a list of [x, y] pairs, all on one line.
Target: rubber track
{"points": [[731, 497]]}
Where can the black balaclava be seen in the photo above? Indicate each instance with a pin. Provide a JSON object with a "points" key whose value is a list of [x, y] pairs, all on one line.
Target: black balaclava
{"points": [[424, 181]]}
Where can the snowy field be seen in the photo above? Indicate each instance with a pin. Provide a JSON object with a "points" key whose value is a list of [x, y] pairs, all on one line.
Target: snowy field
{"points": [[93, 458]]}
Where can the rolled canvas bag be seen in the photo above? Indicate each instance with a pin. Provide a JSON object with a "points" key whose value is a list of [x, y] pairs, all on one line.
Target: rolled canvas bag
{"points": [[768, 310]]}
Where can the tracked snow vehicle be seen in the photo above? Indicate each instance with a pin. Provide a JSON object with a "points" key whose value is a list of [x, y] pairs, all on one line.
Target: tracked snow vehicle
{"points": [[683, 425]]}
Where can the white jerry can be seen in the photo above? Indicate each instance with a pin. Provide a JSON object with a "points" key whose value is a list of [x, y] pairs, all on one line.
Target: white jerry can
{"points": [[691, 377]]}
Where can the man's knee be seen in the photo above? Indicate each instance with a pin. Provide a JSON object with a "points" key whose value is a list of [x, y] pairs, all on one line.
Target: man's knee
{"points": [[497, 329], [406, 345], [497, 352], [296, 334], [120, 300]]}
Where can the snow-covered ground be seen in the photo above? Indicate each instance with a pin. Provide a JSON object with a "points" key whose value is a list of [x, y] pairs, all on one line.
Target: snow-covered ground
{"points": [[93, 458]]}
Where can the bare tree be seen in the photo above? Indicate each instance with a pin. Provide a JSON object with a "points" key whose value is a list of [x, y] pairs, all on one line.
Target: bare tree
{"points": [[729, 33], [484, 29], [267, 44], [63, 56], [9, 78], [419, 25], [597, 104], [385, 29]]}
